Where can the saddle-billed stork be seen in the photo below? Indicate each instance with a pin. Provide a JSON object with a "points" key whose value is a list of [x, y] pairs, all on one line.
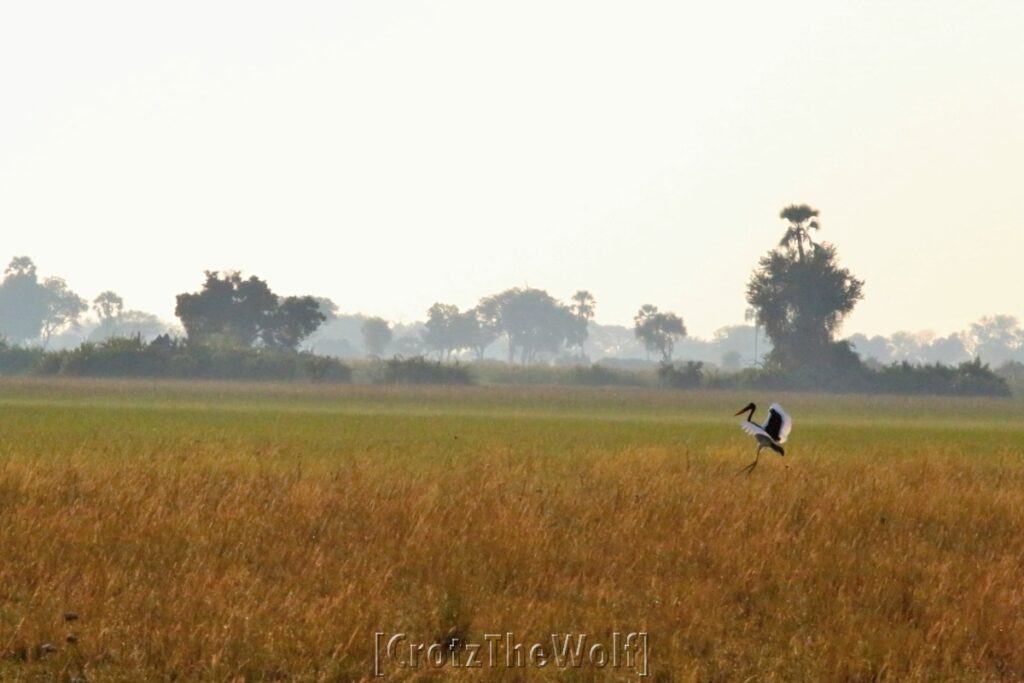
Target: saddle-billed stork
{"points": [[772, 434]]}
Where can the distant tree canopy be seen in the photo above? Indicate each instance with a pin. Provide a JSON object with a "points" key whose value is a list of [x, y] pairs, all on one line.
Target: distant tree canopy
{"points": [[108, 306], [533, 321], [242, 312], [583, 306], [294, 319], [449, 330], [328, 308], [997, 338], [800, 293], [22, 302], [114, 321], [922, 347], [376, 335], [237, 327], [31, 310], [658, 331], [408, 346], [63, 308], [128, 324]]}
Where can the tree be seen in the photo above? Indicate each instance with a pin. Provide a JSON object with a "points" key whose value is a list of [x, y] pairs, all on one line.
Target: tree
{"points": [[108, 306], [63, 308], [129, 324], [909, 346], [408, 346], [240, 312], [441, 333], [449, 330], [328, 308], [802, 219], [533, 321], [376, 335], [658, 331], [115, 321], [294, 319], [802, 296], [480, 331], [876, 348], [583, 304], [24, 302], [583, 307], [949, 350], [31, 310], [996, 339], [21, 266]]}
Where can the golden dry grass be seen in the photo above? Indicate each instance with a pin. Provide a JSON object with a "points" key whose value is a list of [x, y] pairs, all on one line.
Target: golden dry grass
{"points": [[251, 532]]}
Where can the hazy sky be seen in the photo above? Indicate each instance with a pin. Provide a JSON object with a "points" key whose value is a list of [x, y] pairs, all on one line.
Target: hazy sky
{"points": [[393, 154]]}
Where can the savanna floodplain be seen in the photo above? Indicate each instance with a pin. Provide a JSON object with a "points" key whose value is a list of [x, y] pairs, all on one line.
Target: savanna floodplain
{"points": [[170, 531]]}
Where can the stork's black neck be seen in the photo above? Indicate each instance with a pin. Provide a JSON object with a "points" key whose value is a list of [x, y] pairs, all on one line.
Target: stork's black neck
{"points": [[750, 414]]}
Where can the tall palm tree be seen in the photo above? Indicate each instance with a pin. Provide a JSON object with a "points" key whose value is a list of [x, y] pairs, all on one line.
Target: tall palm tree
{"points": [[584, 304], [583, 307], [802, 219]]}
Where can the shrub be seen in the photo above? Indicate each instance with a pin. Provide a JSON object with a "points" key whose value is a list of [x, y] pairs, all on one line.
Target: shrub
{"points": [[166, 357], [1013, 372], [687, 376], [599, 375], [17, 360], [971, 378], [418, 370]]}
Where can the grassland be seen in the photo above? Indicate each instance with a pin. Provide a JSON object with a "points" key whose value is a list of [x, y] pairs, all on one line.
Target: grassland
{"points": [[231, 532]]}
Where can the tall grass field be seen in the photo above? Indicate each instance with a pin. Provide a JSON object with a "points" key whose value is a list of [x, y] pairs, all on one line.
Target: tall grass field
{"points": [[252, 532]]}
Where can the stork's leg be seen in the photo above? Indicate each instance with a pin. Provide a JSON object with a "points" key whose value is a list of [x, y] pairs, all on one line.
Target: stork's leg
{"points": [[750, 468]]}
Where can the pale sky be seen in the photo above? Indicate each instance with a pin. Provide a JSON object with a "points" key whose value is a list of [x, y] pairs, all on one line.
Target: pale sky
{"points": [[393, 154]]}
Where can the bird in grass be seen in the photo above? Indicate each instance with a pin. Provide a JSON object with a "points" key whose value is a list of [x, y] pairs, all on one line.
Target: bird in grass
{"points": [[772, 434]]}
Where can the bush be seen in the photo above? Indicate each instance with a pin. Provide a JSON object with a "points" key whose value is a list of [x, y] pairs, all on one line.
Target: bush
{"points": [[688, 376], [1013, 372], [601, 376], [494, 372], [17, 360], [166, 357], [971, 378], [840, 371], [418, 370]]}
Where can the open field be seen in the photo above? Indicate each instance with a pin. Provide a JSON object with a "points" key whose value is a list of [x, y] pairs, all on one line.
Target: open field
{"points": [[231, 532]]}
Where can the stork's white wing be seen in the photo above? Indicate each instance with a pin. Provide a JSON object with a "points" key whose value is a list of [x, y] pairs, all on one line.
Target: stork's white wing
{"points": [[787, 422], [754, 429]]}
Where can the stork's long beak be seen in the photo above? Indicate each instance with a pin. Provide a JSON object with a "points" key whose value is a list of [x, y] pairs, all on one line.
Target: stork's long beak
{"points": [[742, 411]]}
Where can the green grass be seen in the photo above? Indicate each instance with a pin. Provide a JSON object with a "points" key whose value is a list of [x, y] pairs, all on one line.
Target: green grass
{"points": [[133, 419]]}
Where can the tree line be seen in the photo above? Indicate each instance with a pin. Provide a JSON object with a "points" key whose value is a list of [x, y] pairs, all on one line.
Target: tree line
{"points": [[798, 293], [36, 310], [233, 310]]}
